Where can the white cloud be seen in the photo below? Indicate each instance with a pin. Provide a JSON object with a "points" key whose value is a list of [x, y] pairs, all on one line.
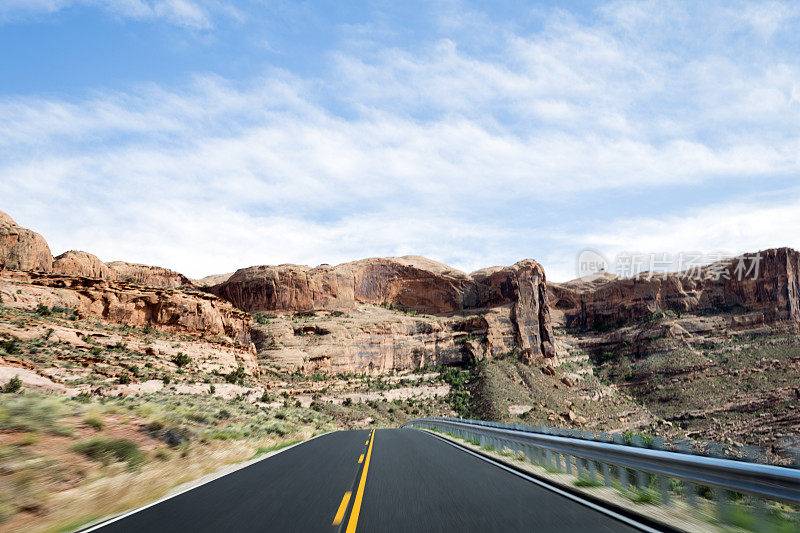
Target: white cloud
{"points": [[195, 14], [470, 158]]}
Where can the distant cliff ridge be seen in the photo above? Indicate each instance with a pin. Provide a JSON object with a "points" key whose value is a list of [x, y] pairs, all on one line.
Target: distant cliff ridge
{"points": [[762, 287], [407, 283]]}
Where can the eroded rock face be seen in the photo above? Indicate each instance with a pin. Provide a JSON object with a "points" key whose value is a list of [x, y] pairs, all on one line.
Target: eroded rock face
{"points": [[505, 308], [373, 339], [524, 287], [75, 263], [147, 275], [412, 283], [21, 248], [164, 309], [774, 294]]}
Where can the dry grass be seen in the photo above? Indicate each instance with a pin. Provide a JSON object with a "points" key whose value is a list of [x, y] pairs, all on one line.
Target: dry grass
{"points": [[116, 489]]}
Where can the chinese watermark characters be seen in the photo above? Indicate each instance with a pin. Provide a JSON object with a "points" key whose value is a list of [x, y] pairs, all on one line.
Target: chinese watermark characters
{"points": [[695, 265]]}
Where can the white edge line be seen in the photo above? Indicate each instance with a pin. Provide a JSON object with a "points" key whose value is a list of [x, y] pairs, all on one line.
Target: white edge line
{"points": [[600, 508], [242, 465]]}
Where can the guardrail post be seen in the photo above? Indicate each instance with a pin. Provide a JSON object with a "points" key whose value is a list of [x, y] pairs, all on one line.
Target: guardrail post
{"points": [[528, 451], [558, 462], [579, 466], [689, 488], [663, 485], [606, 474], [722, 497], [623, 477], [592, 472], [568, 461]]}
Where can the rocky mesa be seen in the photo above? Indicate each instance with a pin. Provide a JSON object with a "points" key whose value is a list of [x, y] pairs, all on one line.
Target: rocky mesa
{"points": [[120, 294], [762, 287], [440, 315]]}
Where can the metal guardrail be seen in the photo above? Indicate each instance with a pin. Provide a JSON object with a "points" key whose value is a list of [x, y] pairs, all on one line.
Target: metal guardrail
{"points": [[766, 482]]}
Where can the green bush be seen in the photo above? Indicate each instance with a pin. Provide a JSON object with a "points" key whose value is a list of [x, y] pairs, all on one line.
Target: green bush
{"points": [[93, 421], [236, 376], [124, 379], [107, 450], [30, 412], [11, 346], [43, 310], [181, 360], [278, 427], [14, 384]]}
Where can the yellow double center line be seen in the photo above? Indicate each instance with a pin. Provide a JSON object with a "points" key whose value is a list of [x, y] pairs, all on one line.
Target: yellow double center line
{"points": [[351, 524]]}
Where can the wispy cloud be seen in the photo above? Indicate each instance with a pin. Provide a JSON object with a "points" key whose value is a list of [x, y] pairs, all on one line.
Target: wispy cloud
{"points": [[196, 14], [473, 154]]}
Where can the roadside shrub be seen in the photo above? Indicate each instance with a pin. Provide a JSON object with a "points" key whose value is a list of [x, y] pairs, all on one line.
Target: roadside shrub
{"points": [[43, 310], [277, 427], [14, 384], [93, 421], [108, 450], [28, 439], [30, 412]]}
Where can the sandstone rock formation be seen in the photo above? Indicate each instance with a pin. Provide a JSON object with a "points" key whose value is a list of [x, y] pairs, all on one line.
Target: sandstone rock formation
{"points": [[774, 294], [21, 248], [75, 263], [412, 283], [148, 275], [504, 308], [214, 279], [169, 310]]}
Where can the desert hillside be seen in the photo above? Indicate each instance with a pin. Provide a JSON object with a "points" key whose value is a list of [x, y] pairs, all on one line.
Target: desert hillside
{"points": [[168, 375]]}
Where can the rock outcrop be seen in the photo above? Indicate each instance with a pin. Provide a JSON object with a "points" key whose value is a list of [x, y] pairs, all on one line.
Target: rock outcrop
{"points": [[762, 287], [505, 308], [118, 302], [523, 286], [75, 263], [214, 279], [411, 283], [21, 248], [148, 275]]}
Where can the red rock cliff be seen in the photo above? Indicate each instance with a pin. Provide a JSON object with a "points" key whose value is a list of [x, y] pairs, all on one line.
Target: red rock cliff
{"points": [[411, 283], [21, 248], [118, 302], [75, 263], [774, 294], [147, 275]]}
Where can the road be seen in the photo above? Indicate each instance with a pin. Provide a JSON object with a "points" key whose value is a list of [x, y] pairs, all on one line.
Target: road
{"points": [[386, 480]]}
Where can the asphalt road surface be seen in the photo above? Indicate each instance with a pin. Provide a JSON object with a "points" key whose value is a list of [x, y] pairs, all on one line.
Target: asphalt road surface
{"points": [[386, 480]]}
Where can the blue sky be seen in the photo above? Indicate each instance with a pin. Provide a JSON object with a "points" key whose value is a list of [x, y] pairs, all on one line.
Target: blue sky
{"points": [[205, 135]]}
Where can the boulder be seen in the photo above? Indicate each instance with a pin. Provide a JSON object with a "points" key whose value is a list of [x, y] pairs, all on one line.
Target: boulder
{"points": [[147, 275], [75, 263], [21, 248]]}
